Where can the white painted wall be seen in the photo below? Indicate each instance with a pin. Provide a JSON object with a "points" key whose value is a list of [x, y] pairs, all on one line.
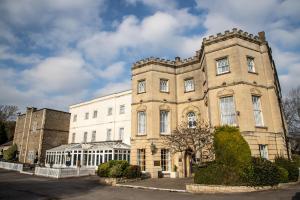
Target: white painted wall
{"points": [[103, 121]]}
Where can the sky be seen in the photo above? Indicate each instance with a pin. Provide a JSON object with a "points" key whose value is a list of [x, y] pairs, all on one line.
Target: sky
{"points": [[54, 53]]}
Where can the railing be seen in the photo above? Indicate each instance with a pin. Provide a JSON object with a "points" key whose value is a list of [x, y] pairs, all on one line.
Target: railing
{"points": [[11, 166], [63, 172]]}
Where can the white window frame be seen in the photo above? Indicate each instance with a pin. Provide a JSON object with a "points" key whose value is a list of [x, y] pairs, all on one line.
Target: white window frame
{"points": [[250, 64], [109, 111], [121, 133], [108, 134], [263, 151], [86, 116], [223, 65], [93, 138], [75, 118], [227, 114], [257, 111], [122, 109], [73, 137], [164, 85], [141, 122], [95, 114], [189, 85], [141, 159], [85, 136], [164, 119], [165, 160], [192, 119], [141, 86]]}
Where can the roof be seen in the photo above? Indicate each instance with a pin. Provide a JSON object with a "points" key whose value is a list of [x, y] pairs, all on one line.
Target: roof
{"points": [[107, 145], [101, 98]]}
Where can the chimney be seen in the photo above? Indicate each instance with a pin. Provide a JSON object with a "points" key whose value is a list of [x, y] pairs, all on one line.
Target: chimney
{"points": [[261, 36]]}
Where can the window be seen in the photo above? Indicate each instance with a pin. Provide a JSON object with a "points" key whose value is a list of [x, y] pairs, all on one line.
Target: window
{"points": [[189, 85], [86, 116], [73, 137], [222, 66], [164, 122], [141, 86], [122, 109], [34, 126], [263, 151], [191, 117], [85, 137], [141, 122], [121, 133], [93, 136], [141, 159], [74, 118], [227, 109], [95, 114], [109, 111], [108, 135], [250, 63], [257, 111], [165, 160], [164, 85]]}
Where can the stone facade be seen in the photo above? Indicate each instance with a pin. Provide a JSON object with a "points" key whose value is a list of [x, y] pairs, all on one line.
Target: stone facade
{"points": [[203, 99], [39, 130]]}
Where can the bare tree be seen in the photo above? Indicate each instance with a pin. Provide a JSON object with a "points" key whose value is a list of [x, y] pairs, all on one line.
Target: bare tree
{"points": [[291, 107], [196, 140], [7, 112]]}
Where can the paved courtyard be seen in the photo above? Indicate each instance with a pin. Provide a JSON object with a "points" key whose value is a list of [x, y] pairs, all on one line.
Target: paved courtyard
{"points": [[14, 185]]}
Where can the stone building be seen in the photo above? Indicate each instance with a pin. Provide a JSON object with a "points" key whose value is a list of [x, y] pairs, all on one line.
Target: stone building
{"points": [[100, 131], [231, 80], [39, 130]]}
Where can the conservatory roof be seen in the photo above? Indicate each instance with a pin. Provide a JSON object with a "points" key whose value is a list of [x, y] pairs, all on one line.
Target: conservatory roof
{"points": [[107, 145]]}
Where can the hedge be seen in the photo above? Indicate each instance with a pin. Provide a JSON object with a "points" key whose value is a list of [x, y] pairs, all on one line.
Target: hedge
{"points": [[290, 166], [118, 169]]}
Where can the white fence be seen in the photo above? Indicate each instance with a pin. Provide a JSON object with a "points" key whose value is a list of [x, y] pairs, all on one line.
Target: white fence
{"points": [[11, 166], [63, 172]]}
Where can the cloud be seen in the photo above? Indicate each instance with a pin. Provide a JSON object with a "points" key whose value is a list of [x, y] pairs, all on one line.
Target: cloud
{"points": [[156, 4], [157, 34], [113, 71], [58, 74], [113, 87]]}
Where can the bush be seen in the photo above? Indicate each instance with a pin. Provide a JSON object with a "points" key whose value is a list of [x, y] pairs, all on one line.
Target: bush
{"points": [[231, 149], [113, 168], [10, 153], [284, 175], [103, 170], [296, 159], [262, 172], [217, 174], [133, 171], [290, 166]]}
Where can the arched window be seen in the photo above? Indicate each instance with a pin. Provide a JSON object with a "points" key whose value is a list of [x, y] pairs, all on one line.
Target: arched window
{"points": [[191, 120]]}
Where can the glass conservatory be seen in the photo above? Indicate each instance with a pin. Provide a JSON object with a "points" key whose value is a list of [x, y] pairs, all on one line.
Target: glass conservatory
{"points": [[86, 154]]}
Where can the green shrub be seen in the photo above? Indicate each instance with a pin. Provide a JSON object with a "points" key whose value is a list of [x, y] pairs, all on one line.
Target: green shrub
{"points": [[10, 153], [217, 174], [296, 159], [103, 170], [284, 175], [133, 171], [290, 166], [262, 172], [116, 171], [231, 149]]}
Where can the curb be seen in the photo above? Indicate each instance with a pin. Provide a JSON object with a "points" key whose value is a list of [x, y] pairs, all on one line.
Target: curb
{"points": [[150, 188], [28, 173]]}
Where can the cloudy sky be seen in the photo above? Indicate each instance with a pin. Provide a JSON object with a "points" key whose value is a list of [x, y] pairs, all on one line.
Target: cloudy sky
{"points": [[54, 53]]}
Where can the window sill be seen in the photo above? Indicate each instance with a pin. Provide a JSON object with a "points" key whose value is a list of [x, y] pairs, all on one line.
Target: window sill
{"points": [[164, 134], [261, 127], [223, 73], [141, 92], [141, 135], [189, 91], [252, 72], [167, 92]]}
